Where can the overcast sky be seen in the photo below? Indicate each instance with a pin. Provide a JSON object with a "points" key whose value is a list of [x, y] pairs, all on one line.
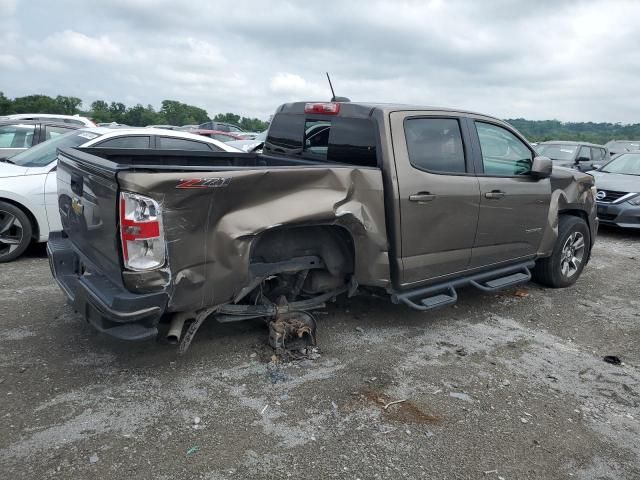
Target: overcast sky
{"points": [[569, 60]]}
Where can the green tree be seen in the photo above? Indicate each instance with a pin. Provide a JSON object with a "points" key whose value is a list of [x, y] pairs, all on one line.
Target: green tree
{"points": [[178, 113], [117, 111], [36, 104], [68, 105], [100, 111], [6, 105]]}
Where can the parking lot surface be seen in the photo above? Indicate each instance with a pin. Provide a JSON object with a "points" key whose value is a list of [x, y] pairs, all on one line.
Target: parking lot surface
{"points": [[510, 385]]}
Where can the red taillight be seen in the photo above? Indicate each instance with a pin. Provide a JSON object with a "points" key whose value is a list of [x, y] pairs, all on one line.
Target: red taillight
{"points": [[329, 108], [141, 232]]}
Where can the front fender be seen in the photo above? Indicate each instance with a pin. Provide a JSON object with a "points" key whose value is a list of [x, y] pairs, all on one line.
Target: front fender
{"points": [[571, 194]]}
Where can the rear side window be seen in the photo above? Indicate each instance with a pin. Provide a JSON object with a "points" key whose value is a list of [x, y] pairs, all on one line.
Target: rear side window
{"points": [[168, 143], [52, 131], [126, 142], [16, 136], [345, 140], [435, 144]]}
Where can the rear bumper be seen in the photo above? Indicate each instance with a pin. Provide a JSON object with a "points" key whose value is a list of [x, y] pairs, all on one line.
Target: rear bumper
{"points": [[108, 307], [621, 215]]}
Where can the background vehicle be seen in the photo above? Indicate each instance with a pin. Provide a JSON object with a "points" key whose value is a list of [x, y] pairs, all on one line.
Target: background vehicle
{"points": [[28, 196], [19, 135], [250, 145], [218, 135], [164, 127], [618, 197], [622, 146], [72, 119], [414, 201], [220, 126], [579, 155]]}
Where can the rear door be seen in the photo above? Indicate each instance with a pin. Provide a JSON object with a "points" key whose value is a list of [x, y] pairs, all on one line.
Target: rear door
{"points": [[514, 206], [438, 194]]}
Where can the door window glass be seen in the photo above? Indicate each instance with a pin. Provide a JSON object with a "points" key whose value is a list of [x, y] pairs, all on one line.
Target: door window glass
{"points": [[168, 143], [597, 154], [584, 154], [126, 142], [503, 154], [52, 131], [16, 136], [435, 144]]}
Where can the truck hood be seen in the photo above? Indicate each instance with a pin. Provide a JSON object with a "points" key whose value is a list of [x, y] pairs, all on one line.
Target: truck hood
{"points": [[10, 170], [616, 182]]}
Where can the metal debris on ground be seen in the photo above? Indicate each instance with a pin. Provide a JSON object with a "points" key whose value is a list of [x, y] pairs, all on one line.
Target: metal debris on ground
{"points": [[93, 458], [612, 359], [521, 292], [293, 331], [193, 450]]}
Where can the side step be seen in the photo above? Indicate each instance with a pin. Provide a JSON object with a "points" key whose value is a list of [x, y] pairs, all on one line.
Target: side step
{"points": [[444, 294]]}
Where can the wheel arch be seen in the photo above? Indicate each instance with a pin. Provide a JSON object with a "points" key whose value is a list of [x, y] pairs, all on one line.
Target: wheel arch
{"points": [[35, 225]]}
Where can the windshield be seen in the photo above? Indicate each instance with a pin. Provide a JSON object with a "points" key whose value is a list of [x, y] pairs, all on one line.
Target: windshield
{"points": [[626, 164], [624, 146], [45, 153], [557, 152]]}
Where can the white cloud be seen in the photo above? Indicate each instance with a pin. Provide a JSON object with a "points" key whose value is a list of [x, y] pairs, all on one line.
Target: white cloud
{"points": [[76, 44], [565, 59]]}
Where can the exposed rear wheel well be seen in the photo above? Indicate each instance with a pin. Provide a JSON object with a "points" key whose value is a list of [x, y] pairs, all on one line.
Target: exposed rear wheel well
{"points": [[35, 228], [307, 260]]}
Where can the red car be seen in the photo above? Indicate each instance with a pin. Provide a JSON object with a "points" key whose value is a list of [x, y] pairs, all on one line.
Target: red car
{"points": [[217, 134]]}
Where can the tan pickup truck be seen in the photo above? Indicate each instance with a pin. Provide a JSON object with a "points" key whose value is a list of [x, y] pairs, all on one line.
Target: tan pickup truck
{"points": [[414, 202]]}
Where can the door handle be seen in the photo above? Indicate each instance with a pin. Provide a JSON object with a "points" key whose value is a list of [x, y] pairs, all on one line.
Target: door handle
{"points": [[421, 197], [495, 194]]}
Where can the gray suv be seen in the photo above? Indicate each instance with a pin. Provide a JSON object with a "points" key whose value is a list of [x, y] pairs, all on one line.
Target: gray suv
{"points": [[579, 155]]}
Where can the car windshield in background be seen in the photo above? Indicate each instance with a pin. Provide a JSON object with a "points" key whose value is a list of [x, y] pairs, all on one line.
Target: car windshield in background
{"points": [[557, 152], [624, 146], [46, 152], [625, 164]]}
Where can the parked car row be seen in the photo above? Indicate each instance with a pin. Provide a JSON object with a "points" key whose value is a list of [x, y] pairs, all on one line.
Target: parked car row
{"points": [[28, 198]]}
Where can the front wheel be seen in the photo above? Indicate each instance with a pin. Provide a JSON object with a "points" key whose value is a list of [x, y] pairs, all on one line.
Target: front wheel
{"points": [[15, 232], [569, 256]]}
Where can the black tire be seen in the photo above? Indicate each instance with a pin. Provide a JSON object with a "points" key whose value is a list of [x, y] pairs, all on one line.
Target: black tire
{"points": [[15, 232], [557, 271]]}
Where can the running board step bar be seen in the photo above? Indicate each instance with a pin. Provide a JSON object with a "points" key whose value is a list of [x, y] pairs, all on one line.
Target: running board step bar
{"points": [[444, 294]]}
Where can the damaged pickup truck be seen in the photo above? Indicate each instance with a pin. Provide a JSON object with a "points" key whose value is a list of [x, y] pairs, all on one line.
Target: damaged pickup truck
{"points": [[412, 202]]}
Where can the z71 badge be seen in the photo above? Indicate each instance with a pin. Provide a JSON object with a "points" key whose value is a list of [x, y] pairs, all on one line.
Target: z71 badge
{"points": [[214, 182]]}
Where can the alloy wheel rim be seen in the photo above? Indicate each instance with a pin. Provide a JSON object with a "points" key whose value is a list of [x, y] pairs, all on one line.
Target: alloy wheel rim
{"points": [[11, 232], [572, 254]]}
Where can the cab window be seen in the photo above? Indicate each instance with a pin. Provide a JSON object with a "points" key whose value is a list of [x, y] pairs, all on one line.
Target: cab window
{"points": [[16, 136], [503, 154], [435, 145]]}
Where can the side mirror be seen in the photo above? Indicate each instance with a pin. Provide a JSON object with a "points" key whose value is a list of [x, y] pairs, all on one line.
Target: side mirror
{"points": [[541, 167], [583, 159]]}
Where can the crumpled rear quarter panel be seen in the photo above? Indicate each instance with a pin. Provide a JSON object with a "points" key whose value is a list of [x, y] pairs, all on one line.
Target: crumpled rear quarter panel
{"points": [[209, 231]]}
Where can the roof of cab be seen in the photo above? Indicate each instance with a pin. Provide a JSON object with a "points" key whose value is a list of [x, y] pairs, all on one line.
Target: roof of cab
{"points": [[365, 109], [570, 142]]}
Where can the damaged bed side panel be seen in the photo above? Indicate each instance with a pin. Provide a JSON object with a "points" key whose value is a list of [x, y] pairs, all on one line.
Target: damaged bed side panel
{"points": [[211, 222]]}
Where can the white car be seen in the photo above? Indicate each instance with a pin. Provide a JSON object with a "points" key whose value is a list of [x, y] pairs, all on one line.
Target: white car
{"points": [[73, 119], [28, 190]]}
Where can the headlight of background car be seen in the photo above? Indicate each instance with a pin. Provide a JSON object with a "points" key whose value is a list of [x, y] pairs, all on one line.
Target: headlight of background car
{"points": [[635, 200]]}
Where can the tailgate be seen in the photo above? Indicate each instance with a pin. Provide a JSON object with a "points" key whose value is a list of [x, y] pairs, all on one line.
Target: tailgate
{"points": [[87, 201]]}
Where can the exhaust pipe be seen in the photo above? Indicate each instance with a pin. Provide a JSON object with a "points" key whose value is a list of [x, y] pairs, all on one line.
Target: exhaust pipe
{"points": [[175, 327]]}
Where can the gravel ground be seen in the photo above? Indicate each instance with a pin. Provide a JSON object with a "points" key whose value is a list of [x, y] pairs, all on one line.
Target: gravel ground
{"points": [[506, 386]]}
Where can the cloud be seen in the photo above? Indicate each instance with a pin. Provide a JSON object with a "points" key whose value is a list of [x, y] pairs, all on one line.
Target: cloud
{"points": [[565, 59]]}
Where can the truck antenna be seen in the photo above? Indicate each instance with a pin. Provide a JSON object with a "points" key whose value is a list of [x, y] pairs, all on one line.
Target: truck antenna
{"points": [[333, 94]]}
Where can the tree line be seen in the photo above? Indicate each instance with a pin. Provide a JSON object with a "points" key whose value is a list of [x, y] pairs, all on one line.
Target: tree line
{"points": [[171, 112]]}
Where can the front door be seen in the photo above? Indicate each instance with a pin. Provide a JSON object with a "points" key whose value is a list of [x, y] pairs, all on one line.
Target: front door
{"points": [[514, 206], [438, 195]]}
